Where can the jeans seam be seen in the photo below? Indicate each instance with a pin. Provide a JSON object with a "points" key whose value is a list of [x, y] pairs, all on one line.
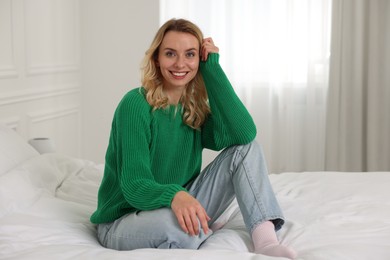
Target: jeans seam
{"points": [[113, 236], [250, 181], [199, 184]]}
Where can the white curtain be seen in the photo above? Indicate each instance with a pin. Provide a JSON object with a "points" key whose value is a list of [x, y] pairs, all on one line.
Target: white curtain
{"points": [[358, 124], [276, 54]]}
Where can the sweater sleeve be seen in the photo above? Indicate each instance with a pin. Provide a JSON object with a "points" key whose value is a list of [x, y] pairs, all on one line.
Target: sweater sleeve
{"points": [[133, 128], [229, 122]]}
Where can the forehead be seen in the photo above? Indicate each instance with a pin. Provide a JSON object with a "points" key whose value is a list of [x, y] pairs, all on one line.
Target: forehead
{"points": [[179, 41]]}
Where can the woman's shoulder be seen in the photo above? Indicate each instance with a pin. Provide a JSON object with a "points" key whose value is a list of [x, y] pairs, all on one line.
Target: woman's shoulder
{"points": [[134, 101], [136, 94], [135, 97]]}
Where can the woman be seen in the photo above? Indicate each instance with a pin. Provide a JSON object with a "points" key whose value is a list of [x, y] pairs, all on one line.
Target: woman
{"points": [[153, 194]]}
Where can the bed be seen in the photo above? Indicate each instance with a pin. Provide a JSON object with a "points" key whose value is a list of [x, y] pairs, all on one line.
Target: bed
{"points": [[46, 201]]}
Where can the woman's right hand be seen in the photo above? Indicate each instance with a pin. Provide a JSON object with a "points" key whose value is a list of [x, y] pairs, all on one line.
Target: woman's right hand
{"points": [[208, 47], [189, 212]]}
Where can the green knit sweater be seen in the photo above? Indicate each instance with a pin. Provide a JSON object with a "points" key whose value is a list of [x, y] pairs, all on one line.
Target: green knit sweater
{"points": [[152, 155]]}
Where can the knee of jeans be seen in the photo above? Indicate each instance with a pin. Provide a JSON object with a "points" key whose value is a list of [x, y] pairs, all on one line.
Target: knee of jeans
{"points": [[184, 241], [252, 147], [179, 239]]}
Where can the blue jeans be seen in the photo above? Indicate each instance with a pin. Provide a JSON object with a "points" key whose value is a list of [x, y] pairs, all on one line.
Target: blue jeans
{"points": [[237, 172]]}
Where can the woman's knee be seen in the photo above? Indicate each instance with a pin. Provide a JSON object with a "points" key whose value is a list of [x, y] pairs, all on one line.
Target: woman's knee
{"points": [[147, 229], [252, 148], [182, 240], [177, 238]]}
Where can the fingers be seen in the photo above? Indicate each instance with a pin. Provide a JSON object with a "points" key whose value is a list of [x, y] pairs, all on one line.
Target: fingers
{"points": [[190, 214], [182, 224], [189, 224], [192, 220], [204, 222], [208, 46], [193, 225]]}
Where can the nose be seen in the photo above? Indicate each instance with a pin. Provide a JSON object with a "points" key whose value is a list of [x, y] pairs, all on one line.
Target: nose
{"points": [[179, 62]]}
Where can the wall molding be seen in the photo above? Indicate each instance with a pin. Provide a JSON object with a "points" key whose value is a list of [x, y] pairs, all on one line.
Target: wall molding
{"points": [[8, 72], [37, 93], [54, 64], [33, 70], [40, 70], [12, 122], [56, 124], [50, 114]]}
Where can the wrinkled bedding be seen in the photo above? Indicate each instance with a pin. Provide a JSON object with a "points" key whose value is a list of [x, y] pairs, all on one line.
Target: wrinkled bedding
{"points": [[46, 201]]}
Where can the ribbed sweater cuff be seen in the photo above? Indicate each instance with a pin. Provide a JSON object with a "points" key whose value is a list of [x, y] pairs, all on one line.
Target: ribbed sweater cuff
{"points": [[170, 192], [213, 58]]}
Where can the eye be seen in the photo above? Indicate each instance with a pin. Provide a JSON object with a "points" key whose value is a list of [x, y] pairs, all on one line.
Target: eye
{"points": [[169, 53], [191, 54]]}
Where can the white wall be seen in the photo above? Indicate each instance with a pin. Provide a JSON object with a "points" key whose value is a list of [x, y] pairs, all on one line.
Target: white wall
{"points": [[65, 64], [40, 86], [114, 35]]}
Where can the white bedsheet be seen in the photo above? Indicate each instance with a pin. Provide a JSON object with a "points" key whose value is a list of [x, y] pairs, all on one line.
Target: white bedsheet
{"points": [[45, 204]]}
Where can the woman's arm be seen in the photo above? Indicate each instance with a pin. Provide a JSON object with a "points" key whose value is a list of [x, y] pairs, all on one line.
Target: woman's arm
{"points": [[230, 122], [133, 136]]}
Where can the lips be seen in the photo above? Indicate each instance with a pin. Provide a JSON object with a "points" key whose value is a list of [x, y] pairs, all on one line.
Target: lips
{"points": [[179, 75]]}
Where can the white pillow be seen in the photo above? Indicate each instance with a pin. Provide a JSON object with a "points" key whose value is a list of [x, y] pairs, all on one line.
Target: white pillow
{"points": [[13, 149]]}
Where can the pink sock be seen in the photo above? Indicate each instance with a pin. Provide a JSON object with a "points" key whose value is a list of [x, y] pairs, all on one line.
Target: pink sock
{"points": [[266, 243]]}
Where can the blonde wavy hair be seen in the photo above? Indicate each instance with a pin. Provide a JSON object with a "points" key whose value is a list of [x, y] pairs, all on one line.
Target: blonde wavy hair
{"points": [[194, 100]]}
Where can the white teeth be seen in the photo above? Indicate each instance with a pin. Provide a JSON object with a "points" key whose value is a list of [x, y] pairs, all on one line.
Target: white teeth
{"points": [[179, 74]]}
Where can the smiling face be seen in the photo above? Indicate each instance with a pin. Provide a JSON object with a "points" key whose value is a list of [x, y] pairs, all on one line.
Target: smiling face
{"points": [[178, 60]]}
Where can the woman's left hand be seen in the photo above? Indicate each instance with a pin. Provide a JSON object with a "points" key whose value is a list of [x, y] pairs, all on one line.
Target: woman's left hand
{"points": [[208, 47]]}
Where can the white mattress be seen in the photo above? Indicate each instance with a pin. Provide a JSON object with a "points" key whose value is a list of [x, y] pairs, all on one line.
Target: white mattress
{"points": [[46, 201]]}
